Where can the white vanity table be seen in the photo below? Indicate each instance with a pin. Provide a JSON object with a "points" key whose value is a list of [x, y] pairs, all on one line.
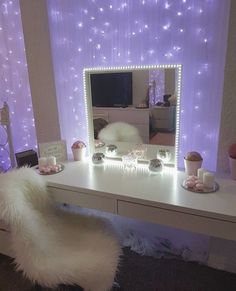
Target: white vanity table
{"points": [[157, 198]]}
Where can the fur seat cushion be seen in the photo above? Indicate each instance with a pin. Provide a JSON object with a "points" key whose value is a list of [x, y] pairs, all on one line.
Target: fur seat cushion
{"points": [[51, 246]]}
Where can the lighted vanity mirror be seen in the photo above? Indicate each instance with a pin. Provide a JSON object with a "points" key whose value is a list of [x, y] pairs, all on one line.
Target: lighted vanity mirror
{"points": [[130, 106]]}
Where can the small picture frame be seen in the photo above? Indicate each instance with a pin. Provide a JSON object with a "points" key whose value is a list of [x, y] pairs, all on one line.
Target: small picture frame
{"points": [[56, 148]]}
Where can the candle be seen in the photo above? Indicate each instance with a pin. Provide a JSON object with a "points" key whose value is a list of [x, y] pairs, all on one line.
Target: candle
{"points": [[51, 161], [200, 173], [208, 180], [42, 162]]}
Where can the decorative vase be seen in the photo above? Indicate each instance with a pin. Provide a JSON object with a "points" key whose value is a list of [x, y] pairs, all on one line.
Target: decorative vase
{"points": [[191, 167], [232, 165], [79, 153]]}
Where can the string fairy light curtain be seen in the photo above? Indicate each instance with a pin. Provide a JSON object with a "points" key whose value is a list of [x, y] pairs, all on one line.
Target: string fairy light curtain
{"points": [[14, 82], [144, 32], [157, 86]]}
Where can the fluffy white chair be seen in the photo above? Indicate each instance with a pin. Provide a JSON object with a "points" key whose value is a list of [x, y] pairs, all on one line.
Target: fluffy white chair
{"points": [[120, 131], [52, 246]]}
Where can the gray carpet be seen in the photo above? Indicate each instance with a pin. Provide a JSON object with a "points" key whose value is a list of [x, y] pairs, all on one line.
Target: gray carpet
{"points": [[139, 273]]}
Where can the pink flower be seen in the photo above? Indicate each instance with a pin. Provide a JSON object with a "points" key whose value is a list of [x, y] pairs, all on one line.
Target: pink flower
{"points": [[78, 145]]}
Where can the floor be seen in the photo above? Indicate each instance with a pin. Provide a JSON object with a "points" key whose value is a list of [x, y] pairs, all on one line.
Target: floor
{"points": [[139, 273]]}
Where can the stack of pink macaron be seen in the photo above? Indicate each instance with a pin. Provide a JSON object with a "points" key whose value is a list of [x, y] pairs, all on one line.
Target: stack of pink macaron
{"points": [[193, 182]]}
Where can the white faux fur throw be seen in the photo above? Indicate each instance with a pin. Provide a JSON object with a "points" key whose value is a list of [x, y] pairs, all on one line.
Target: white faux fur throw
{"points": [[52, 246], [120, 131]]}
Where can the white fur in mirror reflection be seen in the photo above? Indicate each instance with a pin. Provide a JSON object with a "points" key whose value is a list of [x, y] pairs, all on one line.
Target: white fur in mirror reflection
{"points": [[120, 131]]}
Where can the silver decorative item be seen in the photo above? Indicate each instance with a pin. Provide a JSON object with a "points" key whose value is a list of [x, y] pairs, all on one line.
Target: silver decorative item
{"points": [[98, 158], [155, 165]]}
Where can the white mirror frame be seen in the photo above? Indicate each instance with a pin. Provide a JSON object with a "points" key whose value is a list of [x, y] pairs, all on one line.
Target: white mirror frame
{"points": [[88, 99]]}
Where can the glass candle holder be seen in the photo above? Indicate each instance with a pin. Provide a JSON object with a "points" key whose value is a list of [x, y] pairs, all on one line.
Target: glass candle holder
{"points": [[111, 150], [140, 150], [164, 155], [129, 161]]}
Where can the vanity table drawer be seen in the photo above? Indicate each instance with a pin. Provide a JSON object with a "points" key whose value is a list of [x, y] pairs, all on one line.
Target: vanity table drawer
{"points": [[83, 199], [187, 221]]}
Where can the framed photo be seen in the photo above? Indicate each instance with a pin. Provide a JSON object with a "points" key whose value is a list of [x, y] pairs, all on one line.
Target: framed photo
{"points": [[55, 148]]}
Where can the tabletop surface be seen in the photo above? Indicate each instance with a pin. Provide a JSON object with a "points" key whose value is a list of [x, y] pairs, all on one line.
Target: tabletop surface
{"points": [[162, 190]]}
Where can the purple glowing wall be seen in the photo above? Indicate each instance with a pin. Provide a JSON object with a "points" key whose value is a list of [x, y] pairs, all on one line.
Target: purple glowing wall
{"points": [[14, 81], [117, 33]]}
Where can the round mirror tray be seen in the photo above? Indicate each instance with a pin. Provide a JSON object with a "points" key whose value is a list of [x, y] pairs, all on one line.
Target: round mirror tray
{"points": [[61, 168], [203, 191]]}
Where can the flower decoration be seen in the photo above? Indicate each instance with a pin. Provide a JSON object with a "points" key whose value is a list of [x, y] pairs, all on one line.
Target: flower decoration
{"points": [[78, 145], [193, 156]]}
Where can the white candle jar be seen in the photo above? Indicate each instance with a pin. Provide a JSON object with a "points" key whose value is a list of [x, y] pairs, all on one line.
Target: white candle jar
{"points": [[208, 180], [200, 173], [51, 161], [42, 162]]}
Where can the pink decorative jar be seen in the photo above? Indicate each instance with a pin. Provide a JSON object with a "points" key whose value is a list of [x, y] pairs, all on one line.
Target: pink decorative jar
{"points": [[192, 162], [79, 150]]}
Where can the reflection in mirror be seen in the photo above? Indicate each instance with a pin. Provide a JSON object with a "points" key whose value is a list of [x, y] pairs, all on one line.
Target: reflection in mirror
{"points": [[130, 106]]}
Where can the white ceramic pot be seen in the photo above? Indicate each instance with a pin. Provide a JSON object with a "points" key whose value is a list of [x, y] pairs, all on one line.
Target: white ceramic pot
{"points": [[191, 167], [79, 154], [232, 165]]}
